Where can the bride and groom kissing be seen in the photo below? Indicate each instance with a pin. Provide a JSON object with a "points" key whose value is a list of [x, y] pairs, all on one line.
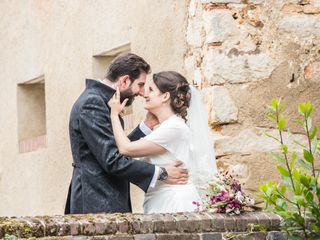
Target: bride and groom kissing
{"points": [[169, 155]]}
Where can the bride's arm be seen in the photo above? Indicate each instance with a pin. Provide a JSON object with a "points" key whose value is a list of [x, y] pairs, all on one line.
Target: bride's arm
{"points": [[137, 148]]}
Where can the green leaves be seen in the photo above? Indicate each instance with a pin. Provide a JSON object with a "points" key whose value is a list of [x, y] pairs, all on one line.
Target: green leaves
{"points": [[308, 195], [313, 133], [284, 149], [276, 106], [307, 156], [272, 116], [305, 109], [298, 195], [283, 171], [318, 147], [293, 159], [305, 181], [278, 157], [281, 123], [305, 164]]}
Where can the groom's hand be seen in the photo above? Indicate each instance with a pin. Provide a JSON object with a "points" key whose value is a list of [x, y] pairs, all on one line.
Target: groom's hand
{"points": [[176, 174]]}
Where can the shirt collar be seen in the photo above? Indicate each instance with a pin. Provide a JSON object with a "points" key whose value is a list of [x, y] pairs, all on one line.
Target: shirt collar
{"points": [[105, 91]]}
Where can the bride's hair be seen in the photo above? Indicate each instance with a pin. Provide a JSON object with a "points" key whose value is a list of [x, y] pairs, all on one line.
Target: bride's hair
{"points": [[179, 89]]}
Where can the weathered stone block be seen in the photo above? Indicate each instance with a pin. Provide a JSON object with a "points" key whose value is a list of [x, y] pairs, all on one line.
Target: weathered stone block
{"points": [[261, 168], [292, 8], [192, 8], [256, 1], [312, 71], [255, 140], [121, 237], [189, 63], [194, 33], [220, 68], [211, 236], [145, 237], [177, 236], [221, 106], [309, 9], [245, 236], [221, 1], [277, 236], [301, 25], [219, 25], [240, 170], [315, 3]]}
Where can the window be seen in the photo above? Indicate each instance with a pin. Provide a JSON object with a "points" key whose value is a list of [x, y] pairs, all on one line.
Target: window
{"points": [[31, 114]]}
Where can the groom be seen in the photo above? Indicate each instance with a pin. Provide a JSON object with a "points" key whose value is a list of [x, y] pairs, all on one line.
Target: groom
{"points": [[101, 175]]}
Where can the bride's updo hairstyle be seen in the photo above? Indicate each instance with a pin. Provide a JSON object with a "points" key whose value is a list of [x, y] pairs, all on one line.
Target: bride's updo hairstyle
{"points": [[179, 89]]}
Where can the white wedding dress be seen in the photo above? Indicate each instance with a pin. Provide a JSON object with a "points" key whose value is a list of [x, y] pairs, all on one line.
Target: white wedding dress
{"points": [[175, 136]]}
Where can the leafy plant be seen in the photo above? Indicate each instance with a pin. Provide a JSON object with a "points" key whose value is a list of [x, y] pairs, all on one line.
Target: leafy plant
{"points": [[10, 237], [297, 197]]}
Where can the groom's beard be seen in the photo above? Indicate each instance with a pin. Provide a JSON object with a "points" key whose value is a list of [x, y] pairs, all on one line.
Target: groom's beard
{"points": [[127, 94]]}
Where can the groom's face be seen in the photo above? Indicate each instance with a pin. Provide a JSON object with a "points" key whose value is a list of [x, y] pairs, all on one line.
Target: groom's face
{"points": [[136, 88]]}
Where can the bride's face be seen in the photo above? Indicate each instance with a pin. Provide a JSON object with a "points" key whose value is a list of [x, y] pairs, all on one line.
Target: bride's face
{"points": [[154, 98]]}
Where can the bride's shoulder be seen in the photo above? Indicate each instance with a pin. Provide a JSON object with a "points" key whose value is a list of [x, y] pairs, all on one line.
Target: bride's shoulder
{"points": [[176, 122]]}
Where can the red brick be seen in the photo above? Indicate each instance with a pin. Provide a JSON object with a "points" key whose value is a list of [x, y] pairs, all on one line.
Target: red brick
{"points": [[122, 226], [212, 6], [169, 223], [177, 236], [289, 8], [230, 223], [311, 9], [217, 223], [312, 71], [205, 223], [214, 44], [264, 220], [147, 224]]}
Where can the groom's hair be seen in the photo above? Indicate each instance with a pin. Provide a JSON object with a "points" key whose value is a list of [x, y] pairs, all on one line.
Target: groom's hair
{"points": [[127, 64]]}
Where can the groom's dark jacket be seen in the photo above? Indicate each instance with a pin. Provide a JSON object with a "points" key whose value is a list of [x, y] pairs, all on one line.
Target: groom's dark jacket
{"points": [[101, 175]]}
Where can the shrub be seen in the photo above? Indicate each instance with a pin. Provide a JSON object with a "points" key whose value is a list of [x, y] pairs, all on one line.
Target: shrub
{"points": [[297, 197]]}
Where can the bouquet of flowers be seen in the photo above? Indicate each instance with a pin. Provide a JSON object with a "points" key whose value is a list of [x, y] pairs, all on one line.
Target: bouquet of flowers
{"points": [[224, 194]]}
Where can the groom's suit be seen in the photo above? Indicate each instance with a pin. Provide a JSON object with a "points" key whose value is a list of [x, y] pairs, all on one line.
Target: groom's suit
{"points": [[101, 175]]}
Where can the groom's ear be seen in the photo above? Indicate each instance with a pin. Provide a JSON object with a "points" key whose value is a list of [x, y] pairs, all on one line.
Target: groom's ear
{"points": [[124, 82]]}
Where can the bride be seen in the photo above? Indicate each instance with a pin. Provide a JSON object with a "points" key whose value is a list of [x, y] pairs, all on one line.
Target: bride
{"points": [[183, 134]]}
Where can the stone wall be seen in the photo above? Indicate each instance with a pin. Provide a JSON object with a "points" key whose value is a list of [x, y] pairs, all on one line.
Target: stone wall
{"points": [[243, 53], [177, 226]]}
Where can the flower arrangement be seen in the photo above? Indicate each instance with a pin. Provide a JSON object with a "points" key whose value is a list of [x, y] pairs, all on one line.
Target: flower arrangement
{"points": [[224, 194]]}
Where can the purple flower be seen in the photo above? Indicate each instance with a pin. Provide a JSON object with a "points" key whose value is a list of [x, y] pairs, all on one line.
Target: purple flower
{"points": [[196, 203], [225, 195], [236, 186], [235, 203], [222, 196]]}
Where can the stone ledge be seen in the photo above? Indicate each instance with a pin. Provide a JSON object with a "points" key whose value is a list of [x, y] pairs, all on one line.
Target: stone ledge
{"points": [[136, 225]]}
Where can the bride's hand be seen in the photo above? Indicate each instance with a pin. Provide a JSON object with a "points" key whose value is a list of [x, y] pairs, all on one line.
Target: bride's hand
{"points": [[114, 103]]}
